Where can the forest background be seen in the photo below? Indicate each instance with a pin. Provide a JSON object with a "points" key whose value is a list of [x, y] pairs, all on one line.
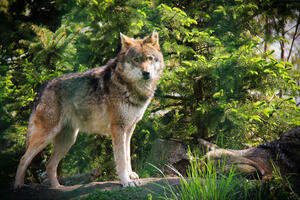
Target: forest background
{"points": [[232, 72]]}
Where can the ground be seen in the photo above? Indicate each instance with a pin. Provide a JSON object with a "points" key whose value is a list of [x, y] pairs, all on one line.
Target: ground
{"points": [[80, 191]]}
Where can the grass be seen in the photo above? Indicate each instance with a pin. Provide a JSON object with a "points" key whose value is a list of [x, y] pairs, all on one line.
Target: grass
{"points": [[207, 180], [280, 185]]}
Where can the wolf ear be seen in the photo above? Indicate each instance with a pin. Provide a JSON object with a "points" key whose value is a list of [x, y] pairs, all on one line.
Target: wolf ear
{"points": [[152, 39], [126, 41]]}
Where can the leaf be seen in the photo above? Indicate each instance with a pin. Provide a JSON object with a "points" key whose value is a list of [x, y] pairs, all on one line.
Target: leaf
{"points": [[253, 72], [270, 72], [259, 103], [187, 63], [268, 111], [291, 82], [220, 9], [291, 100], [200, 58], [234, 110], [180, 69], [218, 94], [255, 118], [179, 11], [279, 65]]}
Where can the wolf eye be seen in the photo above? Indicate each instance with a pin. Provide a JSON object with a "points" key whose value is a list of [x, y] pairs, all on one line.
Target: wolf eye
{"points": [[150, 58], [136, 59]]}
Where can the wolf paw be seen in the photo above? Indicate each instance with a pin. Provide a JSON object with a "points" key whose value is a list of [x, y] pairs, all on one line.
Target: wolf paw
{"points": [[20, 186], [56, 186], [133, 176], [131, 184]]}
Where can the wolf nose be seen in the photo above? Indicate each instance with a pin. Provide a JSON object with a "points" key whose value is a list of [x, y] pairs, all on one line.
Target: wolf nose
{"points": [[146, 75]]}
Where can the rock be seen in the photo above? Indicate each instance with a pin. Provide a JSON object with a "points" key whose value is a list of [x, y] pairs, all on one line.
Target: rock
{"points": [[81, 191], [170, 152]]}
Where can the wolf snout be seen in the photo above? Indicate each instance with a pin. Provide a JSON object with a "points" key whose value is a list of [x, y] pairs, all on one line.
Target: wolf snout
{"points": [[146, 75]]}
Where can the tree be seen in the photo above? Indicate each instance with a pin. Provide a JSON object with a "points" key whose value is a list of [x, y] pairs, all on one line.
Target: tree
{"points": [[216, 81]]}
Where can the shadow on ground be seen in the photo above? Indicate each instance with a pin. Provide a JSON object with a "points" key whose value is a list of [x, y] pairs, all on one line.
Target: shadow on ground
{"points": [[35, 192]]}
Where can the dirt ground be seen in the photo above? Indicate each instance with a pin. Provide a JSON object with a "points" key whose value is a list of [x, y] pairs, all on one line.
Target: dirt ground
{"points": [[42, 192]]}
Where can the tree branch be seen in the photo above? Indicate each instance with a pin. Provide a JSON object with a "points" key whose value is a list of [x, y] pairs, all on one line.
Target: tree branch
{"points": [[165, 106], [173, 97], [294, 38]]}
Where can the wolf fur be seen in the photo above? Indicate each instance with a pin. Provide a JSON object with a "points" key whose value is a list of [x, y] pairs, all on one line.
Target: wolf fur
{"points": [[107, 100]]}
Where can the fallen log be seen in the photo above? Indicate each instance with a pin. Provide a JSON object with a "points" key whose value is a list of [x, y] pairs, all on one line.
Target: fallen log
{"points": [[254, 162], [260, 160]]}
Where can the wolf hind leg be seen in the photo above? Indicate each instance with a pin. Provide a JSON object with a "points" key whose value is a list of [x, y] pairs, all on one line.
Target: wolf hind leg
{"points": [[62, 144], [38, 140]]}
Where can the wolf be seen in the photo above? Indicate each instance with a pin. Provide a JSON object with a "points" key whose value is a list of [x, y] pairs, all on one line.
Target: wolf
{"points": [[106, 100]]}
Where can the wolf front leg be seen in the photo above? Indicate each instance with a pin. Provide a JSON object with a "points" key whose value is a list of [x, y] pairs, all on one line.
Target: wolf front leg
{"points": [[132, 174], [120, 154]]}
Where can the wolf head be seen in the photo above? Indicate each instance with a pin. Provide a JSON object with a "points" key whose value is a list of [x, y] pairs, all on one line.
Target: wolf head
{"points": [[141, 60]]}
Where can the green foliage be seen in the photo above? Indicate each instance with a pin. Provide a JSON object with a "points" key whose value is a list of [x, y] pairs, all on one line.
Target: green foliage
{"points": [[209, 77], [12, 143], [88, 153]]}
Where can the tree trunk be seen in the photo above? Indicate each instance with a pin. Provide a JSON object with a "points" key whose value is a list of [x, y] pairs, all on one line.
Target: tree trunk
{"points": [[282, 45], [259, 160]]}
